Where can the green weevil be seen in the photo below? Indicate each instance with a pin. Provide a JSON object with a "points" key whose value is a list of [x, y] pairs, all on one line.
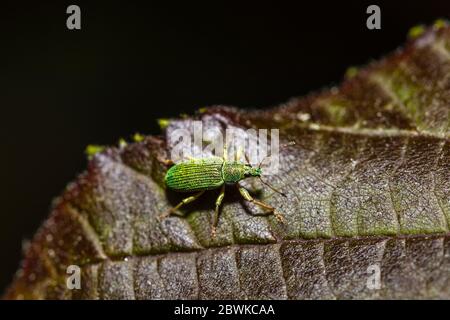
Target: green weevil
{"points": [[200, 175]]}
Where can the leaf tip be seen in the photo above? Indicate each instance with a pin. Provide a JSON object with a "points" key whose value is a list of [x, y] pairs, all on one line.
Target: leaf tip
{"points": [[92, 149], [416, 31], [163, 123], [137, 137]]}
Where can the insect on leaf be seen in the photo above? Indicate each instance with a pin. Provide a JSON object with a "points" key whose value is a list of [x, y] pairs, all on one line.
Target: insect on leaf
{"points": [[367, 186]]}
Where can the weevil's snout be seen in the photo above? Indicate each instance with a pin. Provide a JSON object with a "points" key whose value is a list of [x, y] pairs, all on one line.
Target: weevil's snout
{"points": [[252, 172]]}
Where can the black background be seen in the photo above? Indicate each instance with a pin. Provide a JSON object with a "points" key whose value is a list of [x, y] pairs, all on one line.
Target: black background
{"points": [[131, 64]]}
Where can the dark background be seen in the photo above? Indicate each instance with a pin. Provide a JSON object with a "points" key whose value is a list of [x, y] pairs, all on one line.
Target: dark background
{"points": [[131, 64]]}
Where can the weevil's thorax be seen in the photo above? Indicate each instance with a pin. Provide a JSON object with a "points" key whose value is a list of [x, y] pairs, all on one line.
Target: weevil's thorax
{"points": [[234, 172]]}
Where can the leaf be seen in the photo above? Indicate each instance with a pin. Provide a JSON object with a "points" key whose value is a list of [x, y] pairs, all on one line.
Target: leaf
{"points": [[367, 184]]}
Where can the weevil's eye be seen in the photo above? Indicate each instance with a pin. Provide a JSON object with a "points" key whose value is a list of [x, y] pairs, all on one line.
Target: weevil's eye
{"points": [[255, 172]]}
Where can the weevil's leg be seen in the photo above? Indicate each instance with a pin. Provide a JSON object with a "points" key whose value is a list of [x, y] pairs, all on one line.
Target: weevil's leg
{"points": [[215, 220], [182, 203], [249, 198], [246, 158]]}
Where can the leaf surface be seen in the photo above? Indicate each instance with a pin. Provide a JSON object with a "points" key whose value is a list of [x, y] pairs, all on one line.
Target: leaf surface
{"points": [[367, 184]]}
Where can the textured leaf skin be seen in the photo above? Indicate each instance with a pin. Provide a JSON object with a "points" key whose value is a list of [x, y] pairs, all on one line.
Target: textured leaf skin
{"points": [[367, 183]]}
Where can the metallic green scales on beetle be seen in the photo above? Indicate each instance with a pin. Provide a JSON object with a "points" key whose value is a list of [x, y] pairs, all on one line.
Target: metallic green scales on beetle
{"points": [[207, 174], [200, 175]]}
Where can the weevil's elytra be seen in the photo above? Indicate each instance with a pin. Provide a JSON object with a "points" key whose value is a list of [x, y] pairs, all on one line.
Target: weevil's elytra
{"points": [[200, 175], [196, 175]]}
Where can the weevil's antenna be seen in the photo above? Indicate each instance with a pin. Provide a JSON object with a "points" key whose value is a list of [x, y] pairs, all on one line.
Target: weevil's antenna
{"points": [[266, 183], [272, 188]]}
